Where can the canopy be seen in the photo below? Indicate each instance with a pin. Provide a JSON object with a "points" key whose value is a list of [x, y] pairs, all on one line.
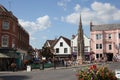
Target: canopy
{"points": [[8, 55]]}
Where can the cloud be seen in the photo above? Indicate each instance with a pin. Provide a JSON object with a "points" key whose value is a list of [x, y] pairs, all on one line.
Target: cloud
{"points": [[98, 13], [63, 3], [77, 7], [41, 23]]}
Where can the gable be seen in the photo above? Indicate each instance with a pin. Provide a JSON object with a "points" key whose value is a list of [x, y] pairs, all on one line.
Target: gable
{"points": [[65, 41]]}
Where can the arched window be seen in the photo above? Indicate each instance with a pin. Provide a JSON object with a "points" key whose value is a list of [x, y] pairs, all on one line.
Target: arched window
{"points": [[5, 40]]}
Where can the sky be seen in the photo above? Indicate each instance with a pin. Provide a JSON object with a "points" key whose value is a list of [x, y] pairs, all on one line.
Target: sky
{"points": [[50, 19]]}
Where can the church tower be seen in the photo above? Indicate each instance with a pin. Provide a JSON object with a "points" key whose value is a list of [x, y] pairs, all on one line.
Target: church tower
{"points": [[80, 43]]}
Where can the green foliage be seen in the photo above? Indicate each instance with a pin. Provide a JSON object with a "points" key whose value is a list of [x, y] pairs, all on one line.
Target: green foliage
{"points": [[47, 52], [94, 73]]}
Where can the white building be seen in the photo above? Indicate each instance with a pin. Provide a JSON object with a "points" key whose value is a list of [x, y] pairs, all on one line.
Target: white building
{"points": [[86, 46], [62, 47]]}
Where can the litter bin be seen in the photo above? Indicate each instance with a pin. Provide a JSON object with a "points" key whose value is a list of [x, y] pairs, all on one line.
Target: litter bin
{"points": [[42, 66], [29, 68]]}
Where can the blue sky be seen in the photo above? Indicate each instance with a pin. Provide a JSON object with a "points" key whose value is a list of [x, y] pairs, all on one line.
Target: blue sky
{"points": [[49, 19]]}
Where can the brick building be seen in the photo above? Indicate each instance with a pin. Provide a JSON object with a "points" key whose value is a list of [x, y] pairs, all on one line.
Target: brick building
{"points": [[14, 40]]}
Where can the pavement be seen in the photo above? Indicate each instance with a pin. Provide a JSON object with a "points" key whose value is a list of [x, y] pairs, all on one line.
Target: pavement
{"points": [[58, 68]]}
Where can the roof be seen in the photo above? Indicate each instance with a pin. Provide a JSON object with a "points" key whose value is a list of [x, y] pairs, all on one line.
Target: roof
{"points": [[65, 39], [2, 8], [52, 42], [105, 27]]}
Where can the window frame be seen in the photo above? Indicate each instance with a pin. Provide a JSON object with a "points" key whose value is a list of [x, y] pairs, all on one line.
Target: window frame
{"points": [[57, 50], [61, 44], [5, 25], [65, 50], [5, 41]]}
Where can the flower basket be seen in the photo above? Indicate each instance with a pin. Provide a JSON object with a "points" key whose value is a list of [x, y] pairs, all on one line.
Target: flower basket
{"points": [[94, 73], [13, 65]]}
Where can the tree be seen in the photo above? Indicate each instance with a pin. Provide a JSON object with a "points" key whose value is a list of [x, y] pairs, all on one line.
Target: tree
{"points": [[47, 52]]}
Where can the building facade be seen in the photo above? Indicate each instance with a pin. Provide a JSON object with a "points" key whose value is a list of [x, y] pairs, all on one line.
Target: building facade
{"points": [[61, 46], [74, 47], [105, 41], [13, 38]]}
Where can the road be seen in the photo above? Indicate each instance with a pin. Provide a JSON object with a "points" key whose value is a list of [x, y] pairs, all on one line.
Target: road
{"points": [[49, 74]]}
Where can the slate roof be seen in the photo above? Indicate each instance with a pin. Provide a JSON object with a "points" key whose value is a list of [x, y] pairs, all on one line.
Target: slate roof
{"points": [[105, 27], [52, 42], [66, 40], [3, 8]]}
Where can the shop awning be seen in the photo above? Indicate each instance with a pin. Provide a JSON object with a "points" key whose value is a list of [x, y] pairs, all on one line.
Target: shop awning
{"points": [[8, 55], [2, 55]]}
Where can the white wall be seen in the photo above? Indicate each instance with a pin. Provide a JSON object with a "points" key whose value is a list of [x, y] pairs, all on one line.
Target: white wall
{"points": [[61, 49], [86, 42]]}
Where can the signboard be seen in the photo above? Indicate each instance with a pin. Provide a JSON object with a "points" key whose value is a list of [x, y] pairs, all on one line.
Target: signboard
{"points": [[43, 58], [117, 73], [28, 68]]}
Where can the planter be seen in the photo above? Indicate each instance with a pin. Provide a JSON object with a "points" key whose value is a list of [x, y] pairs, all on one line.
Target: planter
{"points": [[94, 73]]}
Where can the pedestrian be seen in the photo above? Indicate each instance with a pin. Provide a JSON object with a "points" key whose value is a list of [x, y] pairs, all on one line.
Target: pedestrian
{"points": [[54, 63]]}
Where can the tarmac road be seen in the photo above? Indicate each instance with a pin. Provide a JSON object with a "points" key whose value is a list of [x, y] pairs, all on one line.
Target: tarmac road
{"points": [[51, 74]]}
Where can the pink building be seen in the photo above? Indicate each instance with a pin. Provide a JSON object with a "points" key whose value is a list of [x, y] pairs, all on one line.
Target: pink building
{"points": [[105, 41]]}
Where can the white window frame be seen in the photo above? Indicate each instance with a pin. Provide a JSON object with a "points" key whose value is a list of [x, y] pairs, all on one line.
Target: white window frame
{"points": [[65, 50], [99, 46], [98, 36], [57, 50], [5, 40], [110, 46], [109, 36], [5, 25]]}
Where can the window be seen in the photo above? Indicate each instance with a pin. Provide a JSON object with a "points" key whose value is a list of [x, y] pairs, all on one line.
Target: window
{"points": [[61, 44], [98, 46], [65, 50], [109, 36], [110, 47], [98, 55], [5, 41], [98, 36], [57, 50], [75, 49], [119, 35], [86, 49], [5, 25]]}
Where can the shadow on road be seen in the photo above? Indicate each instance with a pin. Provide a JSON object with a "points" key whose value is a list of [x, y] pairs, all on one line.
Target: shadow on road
{"points": [[14, 77]]}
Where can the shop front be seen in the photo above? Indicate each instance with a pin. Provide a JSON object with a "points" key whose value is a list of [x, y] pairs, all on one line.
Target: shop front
{"points": [[7, 57]]}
